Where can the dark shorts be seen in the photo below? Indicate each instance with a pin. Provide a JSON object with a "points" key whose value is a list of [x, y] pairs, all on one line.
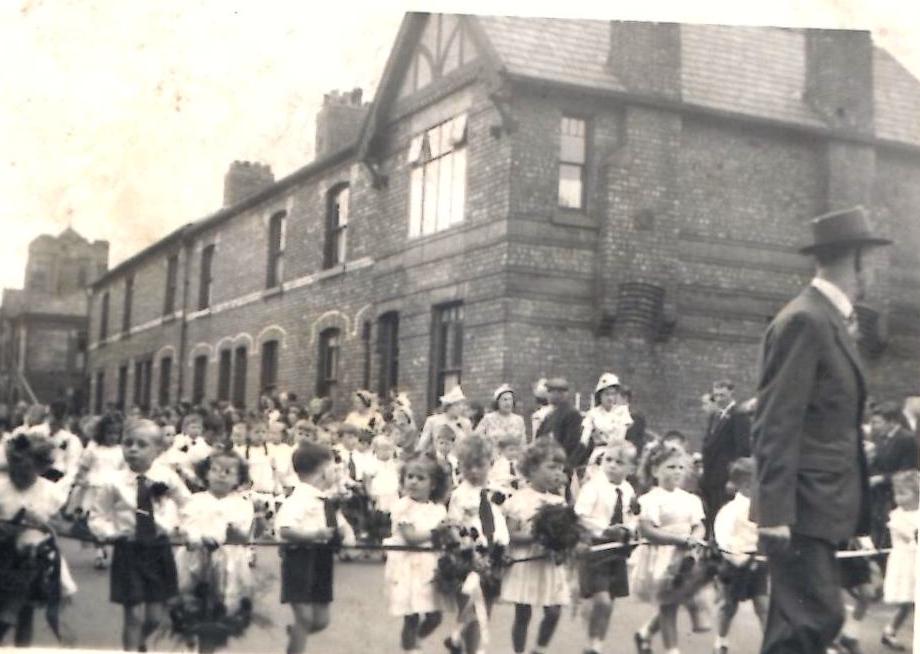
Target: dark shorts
{"points": [[855, 572], [744, 583], [306, 575], [597, 575], [142, 573]]}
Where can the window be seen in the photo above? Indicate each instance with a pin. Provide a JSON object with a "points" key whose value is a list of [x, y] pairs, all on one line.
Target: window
{"points": [[205, 279], [572, 158], [100, 392], [172, 277], [223, 375], [165, 381], [269, 378], [366, 364], [143, 375], [239, 377], [199, 378], [437, 160], [336, 226], [328, 362], [447, 348], [275, 250], [388, 353], [122, 396], [129, 300], [104, 317]]}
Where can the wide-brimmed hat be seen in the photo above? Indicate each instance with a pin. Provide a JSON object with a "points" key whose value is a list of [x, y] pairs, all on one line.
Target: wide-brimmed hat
{"points": [[504, 388], [453, 396], [607, 380], [557, 384], [846, 228]]}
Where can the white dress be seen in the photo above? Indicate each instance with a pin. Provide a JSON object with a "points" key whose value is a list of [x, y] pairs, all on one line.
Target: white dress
{"points": [[494, 424], [900, 571], [409, 576], [206, 516], [102, 464], [607, 427], [540, 582], [384, 485]]}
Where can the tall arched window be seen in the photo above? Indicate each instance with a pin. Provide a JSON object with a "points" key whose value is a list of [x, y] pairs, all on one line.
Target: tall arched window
{"points": [[336, 226], [327, 369], [274, 274]]}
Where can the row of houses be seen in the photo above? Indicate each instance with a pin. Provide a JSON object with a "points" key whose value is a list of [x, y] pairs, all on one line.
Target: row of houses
{"points": [[527, 197]]}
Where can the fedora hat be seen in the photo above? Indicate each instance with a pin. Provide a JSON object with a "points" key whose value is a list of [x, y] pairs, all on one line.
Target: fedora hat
{"points": [[846, 228]]}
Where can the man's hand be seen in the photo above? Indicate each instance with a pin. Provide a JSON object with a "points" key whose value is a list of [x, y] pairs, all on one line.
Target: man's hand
{"points": [[773, 539]]}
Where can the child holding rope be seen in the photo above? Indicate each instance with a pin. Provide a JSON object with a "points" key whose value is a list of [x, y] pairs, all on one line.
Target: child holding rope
{"points": [[900, 574]]}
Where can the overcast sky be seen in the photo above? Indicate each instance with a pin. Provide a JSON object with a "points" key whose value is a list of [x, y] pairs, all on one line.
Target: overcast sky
{"points": [[120, 117]]}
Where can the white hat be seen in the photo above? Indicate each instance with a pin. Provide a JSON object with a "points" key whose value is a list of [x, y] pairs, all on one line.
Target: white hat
{"points": [[607, 380], [455, 395], [504, 388], [539, 389]]}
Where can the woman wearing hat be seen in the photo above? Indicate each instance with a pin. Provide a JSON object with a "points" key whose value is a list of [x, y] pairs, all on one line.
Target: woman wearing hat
{"points": [[606, 423], [502, 419], [453, 405], [364, 414]]}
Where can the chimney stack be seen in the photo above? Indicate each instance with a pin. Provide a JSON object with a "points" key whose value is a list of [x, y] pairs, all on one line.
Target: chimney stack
{"points": [[339, 121], [838, 78], [245, 178], [646, 57]]}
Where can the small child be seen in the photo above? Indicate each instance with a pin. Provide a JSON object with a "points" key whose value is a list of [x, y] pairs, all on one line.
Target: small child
{"points": [[410, 575], [604, 507], [137, 510], [741, 577], [280, 451], [472, 510], [27, 554], [672, 520], [191, 447], [264, 487], [383, 487], [900, 575], [444, 441], [504, 477], [539, 582], [310, 524]]}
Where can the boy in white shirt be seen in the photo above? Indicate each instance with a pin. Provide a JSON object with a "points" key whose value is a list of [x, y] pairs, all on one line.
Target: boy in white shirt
{"points": [[604, 507], [504, 476]]}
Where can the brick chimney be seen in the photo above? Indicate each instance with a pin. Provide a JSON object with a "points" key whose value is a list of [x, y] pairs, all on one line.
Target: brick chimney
{"points": [[245, 178], [838, 78], [646, 57], [339, 121]]}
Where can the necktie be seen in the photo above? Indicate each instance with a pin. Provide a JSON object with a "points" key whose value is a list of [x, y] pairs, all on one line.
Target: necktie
{"points": [[485, 516], [329, 512], [617, 517], [145, 528], [352, 468], [511, 468]]}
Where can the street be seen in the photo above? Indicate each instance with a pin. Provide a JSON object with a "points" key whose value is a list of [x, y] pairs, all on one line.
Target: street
{"points": [[361, 623]]}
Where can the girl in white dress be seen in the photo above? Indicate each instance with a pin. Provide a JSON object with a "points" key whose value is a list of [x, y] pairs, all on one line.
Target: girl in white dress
{"points": [[900, 573], [409, 576], [671, 519], [502, 419], [539, 582]]}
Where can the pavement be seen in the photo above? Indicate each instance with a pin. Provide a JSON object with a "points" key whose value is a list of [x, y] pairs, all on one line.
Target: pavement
{"points": [[361, 623]]}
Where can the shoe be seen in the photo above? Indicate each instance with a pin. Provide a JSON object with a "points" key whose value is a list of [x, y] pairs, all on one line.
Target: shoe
{"points": [[252, 557], [721, 649], [590, 651], [100, 562], [451, 647], [643, 644], [849, 645], [891, 642]]}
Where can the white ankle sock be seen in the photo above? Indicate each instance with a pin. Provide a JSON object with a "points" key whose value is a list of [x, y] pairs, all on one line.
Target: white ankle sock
{"points": [[597, 644]]}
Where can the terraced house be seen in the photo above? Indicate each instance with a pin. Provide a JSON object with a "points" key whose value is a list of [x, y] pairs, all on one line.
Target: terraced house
{"points": [[527, 197]]}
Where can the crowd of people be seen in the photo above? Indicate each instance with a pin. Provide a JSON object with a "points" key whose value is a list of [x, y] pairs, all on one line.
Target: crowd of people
{"points": [[178, 503]]}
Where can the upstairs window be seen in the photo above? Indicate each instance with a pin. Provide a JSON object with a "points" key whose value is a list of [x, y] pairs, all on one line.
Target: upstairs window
{"points": [[336, 226], [104, 317], [275, 271], [269, 374], [573, 140], [172, 279], [327, 374], [437, 186], [204, 277], [129, 300]]}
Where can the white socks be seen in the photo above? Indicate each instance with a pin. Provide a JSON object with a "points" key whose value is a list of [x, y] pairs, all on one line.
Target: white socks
{"points": [[721, 642], [597, 644]]}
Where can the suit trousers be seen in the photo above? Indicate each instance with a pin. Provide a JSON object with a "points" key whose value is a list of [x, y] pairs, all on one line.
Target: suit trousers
{"points": [[806, 608]]}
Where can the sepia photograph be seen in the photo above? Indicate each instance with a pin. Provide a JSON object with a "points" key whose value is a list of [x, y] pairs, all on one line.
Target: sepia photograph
{"points": [[460, 327]]}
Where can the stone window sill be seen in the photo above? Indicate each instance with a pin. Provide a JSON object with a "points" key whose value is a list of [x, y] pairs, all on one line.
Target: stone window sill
{"points": [[572, 218]]}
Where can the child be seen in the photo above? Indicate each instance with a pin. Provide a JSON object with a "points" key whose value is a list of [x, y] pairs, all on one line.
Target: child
{"points": [[28, 556], [280, 451], [740, 575], [216, 523], [539, 582], [672, 520], [263, 481], [901, 573], [410, 575], [471, 509], [309, 523], [444, 452], [504, 477], [383, 487], [604, 508], [137, 510]]}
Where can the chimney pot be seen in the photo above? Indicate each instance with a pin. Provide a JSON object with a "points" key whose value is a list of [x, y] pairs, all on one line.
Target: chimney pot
{"points": [[244, 179]]}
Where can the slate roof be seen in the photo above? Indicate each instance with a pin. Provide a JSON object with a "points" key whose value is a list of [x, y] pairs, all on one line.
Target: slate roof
{"points": [[756, 71]]}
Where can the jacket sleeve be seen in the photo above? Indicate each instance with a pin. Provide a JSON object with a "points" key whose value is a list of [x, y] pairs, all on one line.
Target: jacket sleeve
{"points": [[789, 367]]}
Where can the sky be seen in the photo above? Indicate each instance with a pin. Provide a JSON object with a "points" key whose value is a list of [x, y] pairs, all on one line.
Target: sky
{"points": [[120, 118]]}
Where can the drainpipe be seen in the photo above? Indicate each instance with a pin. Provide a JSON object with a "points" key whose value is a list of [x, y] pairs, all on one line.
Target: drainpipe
{"points": [[183, 315]]}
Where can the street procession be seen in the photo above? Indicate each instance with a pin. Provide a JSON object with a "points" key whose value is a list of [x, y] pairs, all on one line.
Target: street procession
{"points": [[579, 336]]}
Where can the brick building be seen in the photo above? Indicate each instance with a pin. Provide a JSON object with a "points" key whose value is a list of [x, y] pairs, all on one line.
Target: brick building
{"points": [[43, 326], [527, 197]]}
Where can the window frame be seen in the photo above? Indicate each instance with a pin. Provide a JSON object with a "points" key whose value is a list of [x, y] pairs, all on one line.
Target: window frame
{"points": [[387, 353], [199, 378], [277, 225], [582, 166], [165, 380], [104, 317], [268, 373], [425, 214], [128, 305], [445, 316], [328, 360], [224, 374], [240, 372], [172, 283], [143, 380], [121, 397], [335, 247], [206, 276], [99, 403]]}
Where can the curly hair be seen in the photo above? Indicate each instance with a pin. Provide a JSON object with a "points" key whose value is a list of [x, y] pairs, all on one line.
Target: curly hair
{"points": [[204, 466], [543, 449], [105, 424], [654, 455], [440, 478], [473, 450], [33, 446]]}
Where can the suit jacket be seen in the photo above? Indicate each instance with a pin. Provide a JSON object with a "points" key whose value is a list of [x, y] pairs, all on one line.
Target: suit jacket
{"points": [[895, 453], [564, 424], [808, 443], [727, 439]]}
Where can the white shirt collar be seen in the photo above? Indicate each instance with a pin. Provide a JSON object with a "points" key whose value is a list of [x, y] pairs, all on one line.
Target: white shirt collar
{"points": [[833, 293]]}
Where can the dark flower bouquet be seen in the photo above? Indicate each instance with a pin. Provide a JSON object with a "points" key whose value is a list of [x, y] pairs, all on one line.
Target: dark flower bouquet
{"points": [[556, 528], [463, 554]]}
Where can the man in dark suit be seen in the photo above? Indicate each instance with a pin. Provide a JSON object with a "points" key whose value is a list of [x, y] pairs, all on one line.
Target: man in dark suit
{"points": [[895, 449], [727, 439], [812, 487], [910, 418], [564, 423]]}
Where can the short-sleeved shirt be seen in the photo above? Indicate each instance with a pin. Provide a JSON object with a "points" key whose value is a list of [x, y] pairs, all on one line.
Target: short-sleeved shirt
{"points": [[304, 509], [597, 501], [676, 511], [44, 498], [207, 516]]}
